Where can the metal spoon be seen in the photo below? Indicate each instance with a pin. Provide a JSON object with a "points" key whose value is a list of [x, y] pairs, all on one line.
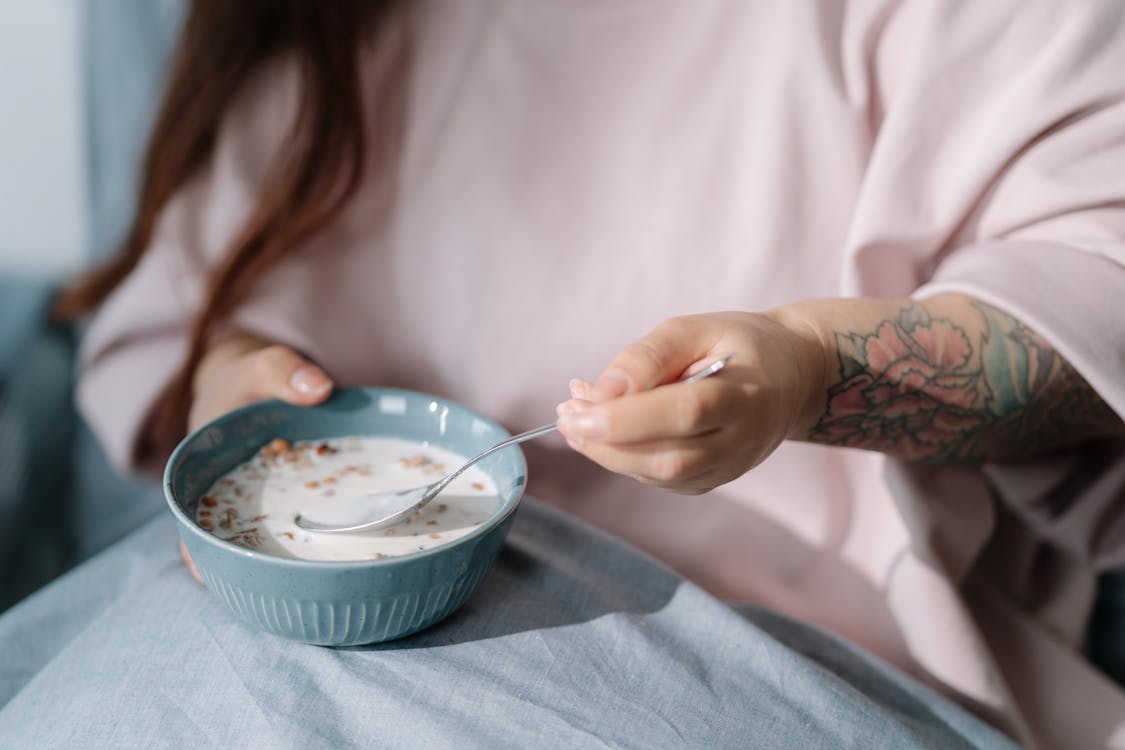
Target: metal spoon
{"points": [[381, 509]]}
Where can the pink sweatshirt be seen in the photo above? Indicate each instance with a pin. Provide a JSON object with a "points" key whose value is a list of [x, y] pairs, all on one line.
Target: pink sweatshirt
{"points": [[573, 172]]}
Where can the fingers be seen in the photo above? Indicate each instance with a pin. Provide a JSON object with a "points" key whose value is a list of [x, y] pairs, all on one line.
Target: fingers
{"points": [[660, 357], [279, 372], [673, 436], [674, 411], [240, 371], [635, 419], [687, 466]]}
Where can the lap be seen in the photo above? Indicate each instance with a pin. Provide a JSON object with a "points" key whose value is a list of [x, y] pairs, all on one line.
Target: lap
{"points": [[572, 639]]}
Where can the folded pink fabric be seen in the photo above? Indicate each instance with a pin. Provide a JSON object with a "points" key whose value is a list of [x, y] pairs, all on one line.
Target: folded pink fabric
{"points": [[574, 172]]}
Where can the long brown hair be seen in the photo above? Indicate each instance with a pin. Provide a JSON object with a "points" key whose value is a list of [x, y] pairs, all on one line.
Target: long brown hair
{"points": [[222, 44]]}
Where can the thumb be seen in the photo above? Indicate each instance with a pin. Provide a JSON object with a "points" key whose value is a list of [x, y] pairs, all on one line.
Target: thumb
{"points": [[279, 372], [662, 356]]}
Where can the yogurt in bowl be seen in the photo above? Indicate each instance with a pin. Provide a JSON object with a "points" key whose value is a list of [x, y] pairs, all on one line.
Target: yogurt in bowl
{"points": [[255, 504], [339, 591]]}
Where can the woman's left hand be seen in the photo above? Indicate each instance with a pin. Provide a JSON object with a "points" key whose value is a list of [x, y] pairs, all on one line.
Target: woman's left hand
{"points": [[636, 419]]}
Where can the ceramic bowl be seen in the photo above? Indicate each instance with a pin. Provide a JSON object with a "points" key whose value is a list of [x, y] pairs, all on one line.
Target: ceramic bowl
{"points": [[342, 603]]}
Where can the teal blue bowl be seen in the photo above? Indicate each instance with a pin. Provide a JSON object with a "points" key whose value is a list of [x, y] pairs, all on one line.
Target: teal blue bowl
{"points": [[342, 603]]}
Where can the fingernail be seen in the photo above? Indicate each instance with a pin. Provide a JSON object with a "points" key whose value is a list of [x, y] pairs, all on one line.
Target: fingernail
{"points": [[585, 425], [612, 383], [310, 381], [579, 388], [569, 407]]}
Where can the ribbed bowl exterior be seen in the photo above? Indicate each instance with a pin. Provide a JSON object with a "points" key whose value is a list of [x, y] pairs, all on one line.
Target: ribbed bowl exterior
{"points": [[342, 603], [346, 623]]}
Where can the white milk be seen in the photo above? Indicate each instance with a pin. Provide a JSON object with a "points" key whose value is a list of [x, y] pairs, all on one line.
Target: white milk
{"points": [[255, 504]]}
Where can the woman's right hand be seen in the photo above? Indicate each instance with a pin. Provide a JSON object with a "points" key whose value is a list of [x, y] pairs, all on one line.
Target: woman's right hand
{"points": [[242, 369]]}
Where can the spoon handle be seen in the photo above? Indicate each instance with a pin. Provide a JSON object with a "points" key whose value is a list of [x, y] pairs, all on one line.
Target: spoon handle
{"points": [[709, 370], [546, 429], [520, 438]]}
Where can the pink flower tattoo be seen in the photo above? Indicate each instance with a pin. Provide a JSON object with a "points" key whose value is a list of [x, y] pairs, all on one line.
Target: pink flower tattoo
{"points": [[916, 388], [906, 387]]}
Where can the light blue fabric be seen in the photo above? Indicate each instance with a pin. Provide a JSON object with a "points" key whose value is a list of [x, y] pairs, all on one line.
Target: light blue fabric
{"points": [[36, 430], [60, 501], [23, 307], [574, 640]]}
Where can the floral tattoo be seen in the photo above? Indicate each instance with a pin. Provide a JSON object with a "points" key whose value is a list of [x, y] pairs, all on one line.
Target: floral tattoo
{"points": [[920, 387]]}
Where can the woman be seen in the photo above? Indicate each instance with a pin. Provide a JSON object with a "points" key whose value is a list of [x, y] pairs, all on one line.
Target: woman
{"points": [[484, 200]]}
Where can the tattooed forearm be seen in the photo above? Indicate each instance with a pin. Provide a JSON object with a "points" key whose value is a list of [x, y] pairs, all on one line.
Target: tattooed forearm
{"points": [[929, 388]]}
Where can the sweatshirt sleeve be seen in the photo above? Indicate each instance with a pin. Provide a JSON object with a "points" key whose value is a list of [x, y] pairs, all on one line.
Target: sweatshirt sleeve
{"points": [[1044, 238], [1001, 147]]}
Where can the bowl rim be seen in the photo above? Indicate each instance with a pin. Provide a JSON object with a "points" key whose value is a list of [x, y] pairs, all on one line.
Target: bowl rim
{"points": [[207, 537]]}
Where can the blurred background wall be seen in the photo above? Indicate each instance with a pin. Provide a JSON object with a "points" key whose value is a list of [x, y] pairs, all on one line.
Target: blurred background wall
{"points": [[44, 227], [79, 82]]}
